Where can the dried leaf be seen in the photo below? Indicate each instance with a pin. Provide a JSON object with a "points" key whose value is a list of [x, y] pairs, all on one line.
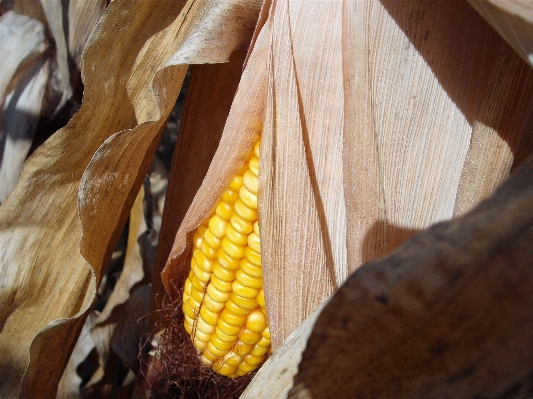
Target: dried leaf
{"points": [[47, 284], [446, 315], [19, 120], [513, 20], [22, 42]]}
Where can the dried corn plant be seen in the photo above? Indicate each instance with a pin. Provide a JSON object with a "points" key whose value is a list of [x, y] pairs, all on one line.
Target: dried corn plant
{"points": [[377, 119]]}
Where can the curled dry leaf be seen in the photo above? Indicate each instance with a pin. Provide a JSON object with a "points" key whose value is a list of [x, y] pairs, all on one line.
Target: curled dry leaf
{"points": [[47, 285]]}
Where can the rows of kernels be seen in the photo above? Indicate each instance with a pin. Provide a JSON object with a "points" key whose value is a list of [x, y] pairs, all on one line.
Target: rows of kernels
{"points": [[223, 299]]}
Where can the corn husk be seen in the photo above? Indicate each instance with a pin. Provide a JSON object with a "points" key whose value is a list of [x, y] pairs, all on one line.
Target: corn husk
{"points": [[380, 119], [80, 185], [513, 20]]}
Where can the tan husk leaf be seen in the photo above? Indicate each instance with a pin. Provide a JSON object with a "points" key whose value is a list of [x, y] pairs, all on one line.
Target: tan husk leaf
{"points": [[381, 118], [513, 20], [446, 315], [47, 284]]}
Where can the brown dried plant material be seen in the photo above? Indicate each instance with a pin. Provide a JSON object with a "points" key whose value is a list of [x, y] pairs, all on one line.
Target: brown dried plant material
{"points": [[381, 118], [513, 20], [446, 315], [177, 371], [47, 284]]}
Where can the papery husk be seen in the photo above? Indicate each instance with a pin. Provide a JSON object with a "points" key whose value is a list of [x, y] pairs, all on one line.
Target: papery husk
{"points": [[513, 20], [241, 132], [446, 315], [381, 118], [48, 285]]}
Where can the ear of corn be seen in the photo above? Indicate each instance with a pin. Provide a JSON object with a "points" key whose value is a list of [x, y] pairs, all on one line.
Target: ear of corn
{"points": [[223, 299]]}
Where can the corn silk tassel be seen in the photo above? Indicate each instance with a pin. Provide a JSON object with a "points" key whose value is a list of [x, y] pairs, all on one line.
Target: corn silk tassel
{"points": [[223, 298]]}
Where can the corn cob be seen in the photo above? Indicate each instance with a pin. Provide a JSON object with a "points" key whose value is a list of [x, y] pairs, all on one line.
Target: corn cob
{"points": [[223, 299]]}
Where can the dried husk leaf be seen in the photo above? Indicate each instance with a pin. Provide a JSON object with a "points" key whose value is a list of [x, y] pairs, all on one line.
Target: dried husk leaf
{"points": [[70, 23], [513, 20], [381, 119], [48, 283], [18, 123], [446, 315], [22, 43], [239, 136], [209, 96], [435, 111]]}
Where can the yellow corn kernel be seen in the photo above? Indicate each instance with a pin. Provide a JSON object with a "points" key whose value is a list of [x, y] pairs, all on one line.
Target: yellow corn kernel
{"points": [[242, 349], [236, 183], [250, 181], [196, 284], [201, 260], [216, 294], [250, 337], [211, 240], [215, 351], [241, 225], [254, 242], [227, 328], [198, 236], [227, 261], [208, 355], [244, 291], [223, 210], [204, 327], [259, 350], [223, 273], [188, 310], [221, 345], [254, 166], [223, 298], [207, 362], [249, 199], [224, 336], [248, 214], [187, 289], [209, 317], [232, 359], [230, 196], [252, 256], [212, 305], [264, 343], [248, 281], [209, 252], [245, 303], [253, 360], [222, 286], [197, 295], [235, 236], [223, 368], [246, 368], [217, 227], [233, 319], [261, 298], [256, 321], [233, 308], [251, 269], [233, 250], [202, 276]]}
